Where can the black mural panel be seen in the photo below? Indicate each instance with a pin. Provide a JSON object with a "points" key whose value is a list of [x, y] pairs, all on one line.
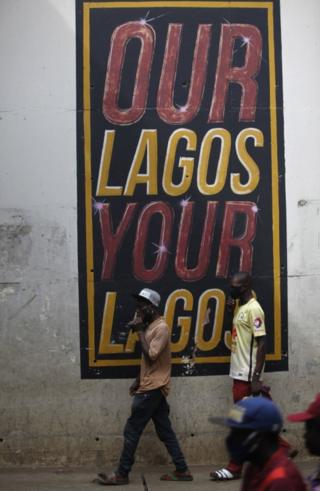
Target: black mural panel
{"points": [[180, 175]]}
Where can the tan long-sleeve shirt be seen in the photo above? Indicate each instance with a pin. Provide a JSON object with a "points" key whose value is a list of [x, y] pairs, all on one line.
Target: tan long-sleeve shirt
{"points": [[155, 374]]}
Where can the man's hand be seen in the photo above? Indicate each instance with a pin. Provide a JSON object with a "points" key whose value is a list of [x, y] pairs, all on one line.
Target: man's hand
{"points": [[134, 387], [256, 385], [139, 327], [136, 324]]}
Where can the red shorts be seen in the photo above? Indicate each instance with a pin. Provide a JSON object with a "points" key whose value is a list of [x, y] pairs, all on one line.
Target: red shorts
{"points": [[240, 389]]}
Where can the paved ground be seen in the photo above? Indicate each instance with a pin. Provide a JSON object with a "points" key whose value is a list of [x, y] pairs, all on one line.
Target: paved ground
{"points": [[51, 480]]}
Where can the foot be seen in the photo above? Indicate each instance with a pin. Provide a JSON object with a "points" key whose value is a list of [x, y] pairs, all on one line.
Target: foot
{"points": [[112, 479], [224, 474], [177, 476]]}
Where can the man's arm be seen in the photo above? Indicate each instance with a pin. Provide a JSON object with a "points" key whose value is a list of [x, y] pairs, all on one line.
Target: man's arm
{"points": [[144, 345], [134, 386], [157, 344], [260, 359]]}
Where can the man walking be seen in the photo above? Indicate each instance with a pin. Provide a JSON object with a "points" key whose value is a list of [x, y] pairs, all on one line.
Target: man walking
{"points": [[150, 390], [255, 424], [248, 349]]}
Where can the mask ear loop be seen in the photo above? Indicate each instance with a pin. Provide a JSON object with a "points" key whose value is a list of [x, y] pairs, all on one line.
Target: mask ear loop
{"points": [[255, 443]]}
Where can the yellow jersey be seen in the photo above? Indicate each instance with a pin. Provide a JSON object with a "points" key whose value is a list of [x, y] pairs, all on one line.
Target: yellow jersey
{"points": [[248, 324]]}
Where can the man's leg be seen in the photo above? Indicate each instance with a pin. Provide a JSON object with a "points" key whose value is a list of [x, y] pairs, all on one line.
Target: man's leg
{"points": [[141, 412], [240, 389], [166, 434]]}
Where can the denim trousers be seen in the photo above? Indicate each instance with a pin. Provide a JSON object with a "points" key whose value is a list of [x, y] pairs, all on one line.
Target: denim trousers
{"points": [[146, 406]]}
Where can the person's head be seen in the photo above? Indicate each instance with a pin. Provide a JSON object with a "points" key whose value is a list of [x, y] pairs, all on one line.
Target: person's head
{"points": [[148, 302], [255, 423], [240, 285], [311, 418]]}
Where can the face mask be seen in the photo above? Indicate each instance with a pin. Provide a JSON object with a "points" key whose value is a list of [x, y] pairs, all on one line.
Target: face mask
{"points": [[147, 313], [241, 450], [235, 292], [311, 436]]}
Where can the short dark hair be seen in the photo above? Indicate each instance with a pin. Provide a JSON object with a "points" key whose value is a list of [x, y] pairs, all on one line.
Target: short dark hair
{"points": [[244, 278]]}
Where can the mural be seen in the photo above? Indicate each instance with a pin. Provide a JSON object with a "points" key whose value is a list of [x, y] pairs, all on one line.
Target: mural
{"points": [[180, 175]]}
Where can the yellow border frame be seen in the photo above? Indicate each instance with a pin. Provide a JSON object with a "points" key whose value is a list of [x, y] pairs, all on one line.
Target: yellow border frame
{"points": [[87, 6]]}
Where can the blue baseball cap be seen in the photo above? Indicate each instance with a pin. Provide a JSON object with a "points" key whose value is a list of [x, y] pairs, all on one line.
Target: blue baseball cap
{"points": [[255, 413]]}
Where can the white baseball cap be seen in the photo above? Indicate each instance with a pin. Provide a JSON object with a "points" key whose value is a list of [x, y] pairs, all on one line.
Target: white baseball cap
{"points": [[150, 295]]}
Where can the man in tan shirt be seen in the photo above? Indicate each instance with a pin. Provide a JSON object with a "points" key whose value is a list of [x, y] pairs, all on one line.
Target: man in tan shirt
{"points": [[150, 390]]}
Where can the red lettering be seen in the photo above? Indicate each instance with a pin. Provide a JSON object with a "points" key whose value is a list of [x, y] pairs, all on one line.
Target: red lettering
{"points": [[112, 241], [244, 76], [167, 111], [243, 242], [199, 271], [157, 271], [120, 38]]}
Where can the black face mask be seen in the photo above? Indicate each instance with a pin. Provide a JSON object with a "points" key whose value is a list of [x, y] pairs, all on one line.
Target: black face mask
{"points": [[235, 292], [241, 450], [147, 313], [311, 436]]}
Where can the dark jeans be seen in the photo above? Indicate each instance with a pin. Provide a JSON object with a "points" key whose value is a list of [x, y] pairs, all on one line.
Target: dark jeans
{"points": [[146, 406]]}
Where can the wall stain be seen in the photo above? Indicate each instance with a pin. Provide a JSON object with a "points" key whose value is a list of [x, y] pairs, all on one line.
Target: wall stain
{"points": [[15, 240], [22, 308], [302, 202]]}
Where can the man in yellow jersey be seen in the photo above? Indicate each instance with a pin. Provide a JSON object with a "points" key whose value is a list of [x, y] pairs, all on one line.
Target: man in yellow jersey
{"points": [[248, 339], [149, 393], [248, 350]]}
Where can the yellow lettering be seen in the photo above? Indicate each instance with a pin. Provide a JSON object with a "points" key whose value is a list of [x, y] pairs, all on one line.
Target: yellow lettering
{"points": [[185, 163], [105, 345], [184, 323], [102, 186], [221, 173], [247, 161], [147, 147], [203, 319], [131, 341]]}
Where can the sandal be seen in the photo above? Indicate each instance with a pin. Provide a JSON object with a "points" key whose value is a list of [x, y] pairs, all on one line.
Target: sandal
{"points": [[224, 475], [177, 476], [113, 479]]}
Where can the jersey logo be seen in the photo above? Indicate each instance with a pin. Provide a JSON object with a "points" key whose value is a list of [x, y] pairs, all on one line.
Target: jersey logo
{"points": [[257, 323]]}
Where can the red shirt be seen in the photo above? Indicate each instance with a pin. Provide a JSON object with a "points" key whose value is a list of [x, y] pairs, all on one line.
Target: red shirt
{"points": [[278, 474]]}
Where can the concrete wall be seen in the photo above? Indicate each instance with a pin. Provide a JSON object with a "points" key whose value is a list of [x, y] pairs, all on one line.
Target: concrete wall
{"points": [[48, 415]]}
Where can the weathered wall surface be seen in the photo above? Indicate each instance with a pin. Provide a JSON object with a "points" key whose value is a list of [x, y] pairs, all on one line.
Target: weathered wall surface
{"points": [[48, 415]]}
